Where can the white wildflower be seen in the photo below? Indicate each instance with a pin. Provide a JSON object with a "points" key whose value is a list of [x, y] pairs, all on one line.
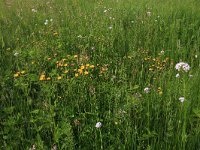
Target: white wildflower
{"points": [[92, 48], [16, 54], [162, 52], [182, 66], [34, 10], [122, 112], [195, 56], [149, 13], [146, 90], [181, 99], [105, 11], [46, 22], [110, 27], [98, 125], [51, 20], [33, 147], [177, 75]]}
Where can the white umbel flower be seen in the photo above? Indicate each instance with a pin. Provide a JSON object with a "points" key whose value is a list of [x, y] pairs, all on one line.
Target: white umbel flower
{"points": [[98, 125], [182, 66]]}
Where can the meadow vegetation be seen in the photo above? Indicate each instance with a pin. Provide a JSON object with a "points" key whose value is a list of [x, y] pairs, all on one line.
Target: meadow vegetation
{"points": [[100, 74]]}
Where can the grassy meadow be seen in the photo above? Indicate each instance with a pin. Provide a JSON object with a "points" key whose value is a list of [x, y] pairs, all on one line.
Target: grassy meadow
{"points": [[99, 74]]}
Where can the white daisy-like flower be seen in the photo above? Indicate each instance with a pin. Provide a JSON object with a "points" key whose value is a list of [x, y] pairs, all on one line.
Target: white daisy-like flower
{"points": [[98, 125], [146, 90], [182, 66], [181, 99]]}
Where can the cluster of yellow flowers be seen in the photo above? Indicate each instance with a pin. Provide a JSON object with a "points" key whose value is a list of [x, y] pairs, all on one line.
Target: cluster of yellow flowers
{"points": [[82, 70], [156, 63], [19, 73], [67, 67], [43, 77], [159, 90]]}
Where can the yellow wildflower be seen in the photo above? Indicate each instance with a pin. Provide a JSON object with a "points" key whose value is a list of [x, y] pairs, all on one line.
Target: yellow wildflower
{"points": [[55, 33], [160, 91], [23, 72], [48, 78], [65, 65], [66, 71], [87, 65], [59, 77], [86, 72], [16, 75], [42, 77], [92, 66], [80, 71], [75, 56], [60, 64], [82, 67], [76, 74]]}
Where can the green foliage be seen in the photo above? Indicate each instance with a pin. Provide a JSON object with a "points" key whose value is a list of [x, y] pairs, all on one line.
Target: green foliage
{"points": [[67, 64]]}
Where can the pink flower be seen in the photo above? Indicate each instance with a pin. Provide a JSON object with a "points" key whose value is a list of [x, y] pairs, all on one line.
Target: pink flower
{"points": [[182, 66]]}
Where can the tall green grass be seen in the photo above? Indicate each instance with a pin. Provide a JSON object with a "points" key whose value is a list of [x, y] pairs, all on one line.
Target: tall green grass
{"points": [[126, 46]]}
